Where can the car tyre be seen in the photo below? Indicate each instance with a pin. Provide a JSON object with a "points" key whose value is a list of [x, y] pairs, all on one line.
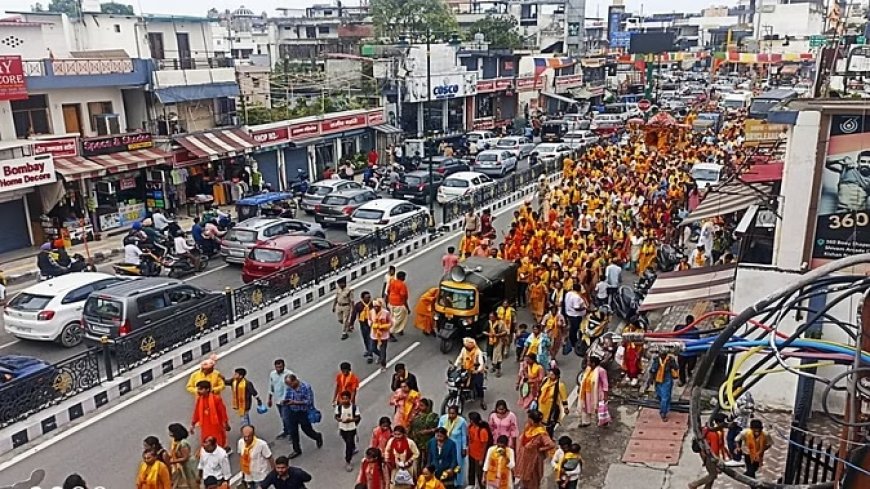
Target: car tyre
{"points": [[71, 335]]}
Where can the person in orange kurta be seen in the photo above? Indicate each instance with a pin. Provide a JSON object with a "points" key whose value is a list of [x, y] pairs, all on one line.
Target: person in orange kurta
{"points": [[424, 311], [210, 414]]}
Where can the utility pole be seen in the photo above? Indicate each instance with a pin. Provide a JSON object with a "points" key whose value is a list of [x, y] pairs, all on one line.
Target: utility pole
{"points": [[431, 200]]}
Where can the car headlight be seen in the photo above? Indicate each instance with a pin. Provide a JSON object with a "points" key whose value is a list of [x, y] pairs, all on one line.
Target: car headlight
{"points": [[467, 322]]}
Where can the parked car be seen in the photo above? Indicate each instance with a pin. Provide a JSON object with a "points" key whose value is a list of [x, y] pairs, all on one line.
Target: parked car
{"points": [[416, 187], [337, 207], [317, 191], [576, 122], [462, 183], [481, 138], [379, 214], [281, 252], [518, 145], [242, 237], [580, 139], [548, 152], [446, 166], [17, 367], [137, 304], [706, 174], [52, 310], [495, 163]]}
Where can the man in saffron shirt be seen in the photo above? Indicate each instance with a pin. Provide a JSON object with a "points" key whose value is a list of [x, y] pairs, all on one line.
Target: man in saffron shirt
{"points": [[210, 414], [345, 381], [397, 299]]}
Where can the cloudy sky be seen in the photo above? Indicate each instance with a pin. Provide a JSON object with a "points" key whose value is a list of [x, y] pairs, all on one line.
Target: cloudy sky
{"points": [[199, 7]]}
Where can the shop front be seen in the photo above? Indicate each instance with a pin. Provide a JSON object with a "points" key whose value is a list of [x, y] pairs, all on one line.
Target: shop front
{"points": [[270, 154], [132, 183], [212, 167], [444, 112], [561, 100], [528, 94], [19, 177], [495, 104], [70, 219]]}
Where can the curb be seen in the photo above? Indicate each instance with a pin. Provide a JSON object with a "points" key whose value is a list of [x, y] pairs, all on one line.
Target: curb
{"points": [[99, 257]]}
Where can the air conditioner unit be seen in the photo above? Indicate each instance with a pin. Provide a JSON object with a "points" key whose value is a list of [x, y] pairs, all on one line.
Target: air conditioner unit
{"points": [[107, 124]]}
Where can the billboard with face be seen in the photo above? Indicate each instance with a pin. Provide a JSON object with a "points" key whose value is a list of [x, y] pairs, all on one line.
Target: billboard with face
{"points": [[843, 212]]}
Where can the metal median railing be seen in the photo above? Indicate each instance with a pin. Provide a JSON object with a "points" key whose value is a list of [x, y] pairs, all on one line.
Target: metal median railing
{"points": [[50, 384]]}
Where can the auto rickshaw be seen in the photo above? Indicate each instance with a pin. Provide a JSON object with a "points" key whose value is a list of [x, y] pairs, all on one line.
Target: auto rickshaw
{"points": [[270, 204], [466, 296]]}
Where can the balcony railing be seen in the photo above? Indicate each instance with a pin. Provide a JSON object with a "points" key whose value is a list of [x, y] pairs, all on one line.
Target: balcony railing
{"points": [[34, 67], [192, 63], [77, 66]]}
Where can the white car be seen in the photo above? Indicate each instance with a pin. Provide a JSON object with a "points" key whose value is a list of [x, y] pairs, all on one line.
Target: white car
{"points": [[547, 152], [380, 213], [481, 139], [461, 184], [52, 310], [579, 139], [706, 174], [518, 145]]}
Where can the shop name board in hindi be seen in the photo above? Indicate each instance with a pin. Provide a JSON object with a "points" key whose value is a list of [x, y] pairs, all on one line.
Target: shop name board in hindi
{"points": [[116, 144], [25, 172], [343, 123], [57, 147]]}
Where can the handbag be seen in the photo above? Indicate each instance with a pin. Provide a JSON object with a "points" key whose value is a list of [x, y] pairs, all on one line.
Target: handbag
{"points": [[604, 418], [314, 414], [403, 478]]}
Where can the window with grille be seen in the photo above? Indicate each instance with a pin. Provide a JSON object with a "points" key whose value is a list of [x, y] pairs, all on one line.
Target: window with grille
{"points": [[31, 116]]}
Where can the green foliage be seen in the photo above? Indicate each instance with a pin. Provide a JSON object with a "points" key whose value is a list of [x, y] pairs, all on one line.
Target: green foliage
{"points": [[501, 32], [258, 114], [394, 18], [69, 7], [116, 8]]}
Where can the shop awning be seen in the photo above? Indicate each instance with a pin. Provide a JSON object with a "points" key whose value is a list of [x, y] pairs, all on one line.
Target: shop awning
{"points": [[698, 284], [78, 168], [789, 70], [219, 143], [764, 172], [560, 98], [387, 129], [726, 199], [132, 160]]}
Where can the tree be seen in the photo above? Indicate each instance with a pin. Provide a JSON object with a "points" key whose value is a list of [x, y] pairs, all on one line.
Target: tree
{"points": [[37, 7], [500, 32], [394, 18], [69, 7], [116, 8]]}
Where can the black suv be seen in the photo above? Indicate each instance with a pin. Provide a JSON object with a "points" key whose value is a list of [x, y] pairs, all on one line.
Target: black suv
{"points": [[132, 305], [446, 166], [415, 186]]}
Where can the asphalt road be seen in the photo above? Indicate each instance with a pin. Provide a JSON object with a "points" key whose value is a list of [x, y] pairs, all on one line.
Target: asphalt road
{"points": [[218, 276], [309, 341]]}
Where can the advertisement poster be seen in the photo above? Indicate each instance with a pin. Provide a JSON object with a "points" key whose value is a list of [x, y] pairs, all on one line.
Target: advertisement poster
{"points": [[13, 85], [21, 173], [843, 213]]}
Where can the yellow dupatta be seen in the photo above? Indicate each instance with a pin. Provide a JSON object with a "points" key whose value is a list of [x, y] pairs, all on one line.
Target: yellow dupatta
{"points": [[149, 474], [408, 406], [660, 373], [245, 457], [589, 381], [530, 432], [498, 468], [239, 388]]}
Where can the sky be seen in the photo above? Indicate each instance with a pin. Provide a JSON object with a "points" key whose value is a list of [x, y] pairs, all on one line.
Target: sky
{"points": [[200, 7]]}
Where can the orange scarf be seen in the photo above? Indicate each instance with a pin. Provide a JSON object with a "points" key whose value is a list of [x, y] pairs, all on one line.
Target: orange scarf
{"points": [[498, 468], [149, 475], [240, 404], [245, 458], [660, 373]]}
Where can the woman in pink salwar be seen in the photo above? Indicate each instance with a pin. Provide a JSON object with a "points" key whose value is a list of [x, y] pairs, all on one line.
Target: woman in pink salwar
{"points": [[592, 387]]}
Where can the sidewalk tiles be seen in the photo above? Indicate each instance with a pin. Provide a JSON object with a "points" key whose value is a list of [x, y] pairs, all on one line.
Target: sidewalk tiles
{"points": [[656, 441]]}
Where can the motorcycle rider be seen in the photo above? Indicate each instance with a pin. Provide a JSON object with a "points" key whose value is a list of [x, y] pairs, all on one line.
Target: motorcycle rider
{"points": [[472, 360], [133, 256], [47, 263], [212, 236], [184, 250], [154, 236], [160, 220]]}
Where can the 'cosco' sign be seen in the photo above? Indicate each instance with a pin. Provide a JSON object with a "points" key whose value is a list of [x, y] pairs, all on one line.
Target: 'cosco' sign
{"points": [[445, 91]]}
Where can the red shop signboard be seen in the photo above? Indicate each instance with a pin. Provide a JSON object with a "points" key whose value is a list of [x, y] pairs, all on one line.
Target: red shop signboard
{"points": [[304, 131], [271, 136], [63, 147], [13, 86], [377, 118], [343, 123], [569, 81], [529, 83]]}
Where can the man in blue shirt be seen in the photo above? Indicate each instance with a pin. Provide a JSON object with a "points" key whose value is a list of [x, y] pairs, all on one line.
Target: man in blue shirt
{"points": [[299, 399], [277, 390], [196, 231]]}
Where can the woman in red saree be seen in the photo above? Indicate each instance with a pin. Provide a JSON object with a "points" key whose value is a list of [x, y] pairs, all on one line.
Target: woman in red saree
{"points": [[373, 472], [633, 353], [533, 447]]}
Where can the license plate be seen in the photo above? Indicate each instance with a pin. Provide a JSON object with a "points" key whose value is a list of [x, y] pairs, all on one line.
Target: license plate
{"points": [[408, 196], [98, 329], [24, 330], [328, 218]]}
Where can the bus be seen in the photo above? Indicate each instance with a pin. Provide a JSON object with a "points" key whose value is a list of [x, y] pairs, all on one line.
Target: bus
{"points": [[770, 100]]}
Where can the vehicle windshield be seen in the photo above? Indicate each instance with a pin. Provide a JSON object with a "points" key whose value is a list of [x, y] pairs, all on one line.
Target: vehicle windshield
{"points": [[368, 214], [762, 106], [318, 190], [104, 308], [705, 174], [335, 200], [733, 104], [267, 255], [241, 235], [455, 183], [487, 157], [460, 299], [29, 302]]}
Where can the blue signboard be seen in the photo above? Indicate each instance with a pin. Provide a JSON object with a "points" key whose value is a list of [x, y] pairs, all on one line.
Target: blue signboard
{"points": [[615, 35]]}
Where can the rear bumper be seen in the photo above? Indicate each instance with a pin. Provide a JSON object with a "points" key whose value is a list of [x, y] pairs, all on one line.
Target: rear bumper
{"points": [[29, 332]]}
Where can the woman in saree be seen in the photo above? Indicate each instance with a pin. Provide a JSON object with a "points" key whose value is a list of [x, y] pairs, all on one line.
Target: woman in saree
{"points": [[592, 389], [553, 399], [406, 401], [533, 447], [529, 380]]}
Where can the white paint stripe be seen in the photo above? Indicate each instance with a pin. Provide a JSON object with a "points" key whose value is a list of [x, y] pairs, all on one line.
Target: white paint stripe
{"points": [[206, 149], [186, 373], [203, 274], [240, 142], [372, 376], [7, 345]]}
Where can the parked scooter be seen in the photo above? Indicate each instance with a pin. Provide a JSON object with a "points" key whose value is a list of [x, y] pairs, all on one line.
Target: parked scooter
{"points": [[644, 282], [668, 257], [149, 266], [625, 302], [458, 389], [300, 185]]}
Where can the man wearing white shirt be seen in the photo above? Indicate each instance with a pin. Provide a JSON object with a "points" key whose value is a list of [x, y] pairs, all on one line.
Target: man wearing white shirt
{"points": [[182, 249], [255, 457], [159, 220], [575, 309], [613, 277], [213, 461]]}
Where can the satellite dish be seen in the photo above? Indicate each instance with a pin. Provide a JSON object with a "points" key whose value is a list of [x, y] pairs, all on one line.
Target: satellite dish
{"points": [[457, 273]]}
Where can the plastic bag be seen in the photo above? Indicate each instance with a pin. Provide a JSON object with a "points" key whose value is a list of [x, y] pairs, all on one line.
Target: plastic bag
{"points": [[604, 418], [619, 356]]}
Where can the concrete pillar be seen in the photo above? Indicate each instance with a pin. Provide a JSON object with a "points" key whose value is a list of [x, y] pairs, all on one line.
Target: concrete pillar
{"points": [[282, 173], [7, 125], [575, 13]]}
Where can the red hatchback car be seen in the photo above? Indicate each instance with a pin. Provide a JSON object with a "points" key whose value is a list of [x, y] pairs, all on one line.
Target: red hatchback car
{"points": [[281, 252]]}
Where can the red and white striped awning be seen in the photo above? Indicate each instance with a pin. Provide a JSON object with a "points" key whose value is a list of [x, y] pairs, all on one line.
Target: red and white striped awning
{"points": [[132, 160], [78, 168], [217, 144], [694, 285]]}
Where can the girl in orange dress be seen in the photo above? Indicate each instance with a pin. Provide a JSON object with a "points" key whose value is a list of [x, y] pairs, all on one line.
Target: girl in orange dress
{"points": [[538, 299]]}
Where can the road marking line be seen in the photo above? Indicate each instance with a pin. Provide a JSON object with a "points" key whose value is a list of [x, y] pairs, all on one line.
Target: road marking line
{"points": [[372, 376], [203, 274], [5, 345], [186, 373]]}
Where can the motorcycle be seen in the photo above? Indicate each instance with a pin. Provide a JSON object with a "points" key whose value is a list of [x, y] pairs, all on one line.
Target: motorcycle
{"points": [[625, 302], [593, 328], [458, 389], [149, 266], [668, 257], [299, 186], [644, 282], [181, 266]]}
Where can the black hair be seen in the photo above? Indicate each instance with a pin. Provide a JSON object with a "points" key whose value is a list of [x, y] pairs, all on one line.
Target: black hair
{"points": [[344, 366], [401, 275], [565, 440], [384, 420], [178, 431], [154, 443], [203, 384], [241, 371], [282, 460], [74, 481]]}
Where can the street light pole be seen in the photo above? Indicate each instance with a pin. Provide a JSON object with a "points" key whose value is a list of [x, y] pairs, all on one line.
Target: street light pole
{"points": [[426, 121]]}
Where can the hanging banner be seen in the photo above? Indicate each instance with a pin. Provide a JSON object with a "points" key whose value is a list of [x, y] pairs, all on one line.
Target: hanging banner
{"points": [[114, 144]]}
